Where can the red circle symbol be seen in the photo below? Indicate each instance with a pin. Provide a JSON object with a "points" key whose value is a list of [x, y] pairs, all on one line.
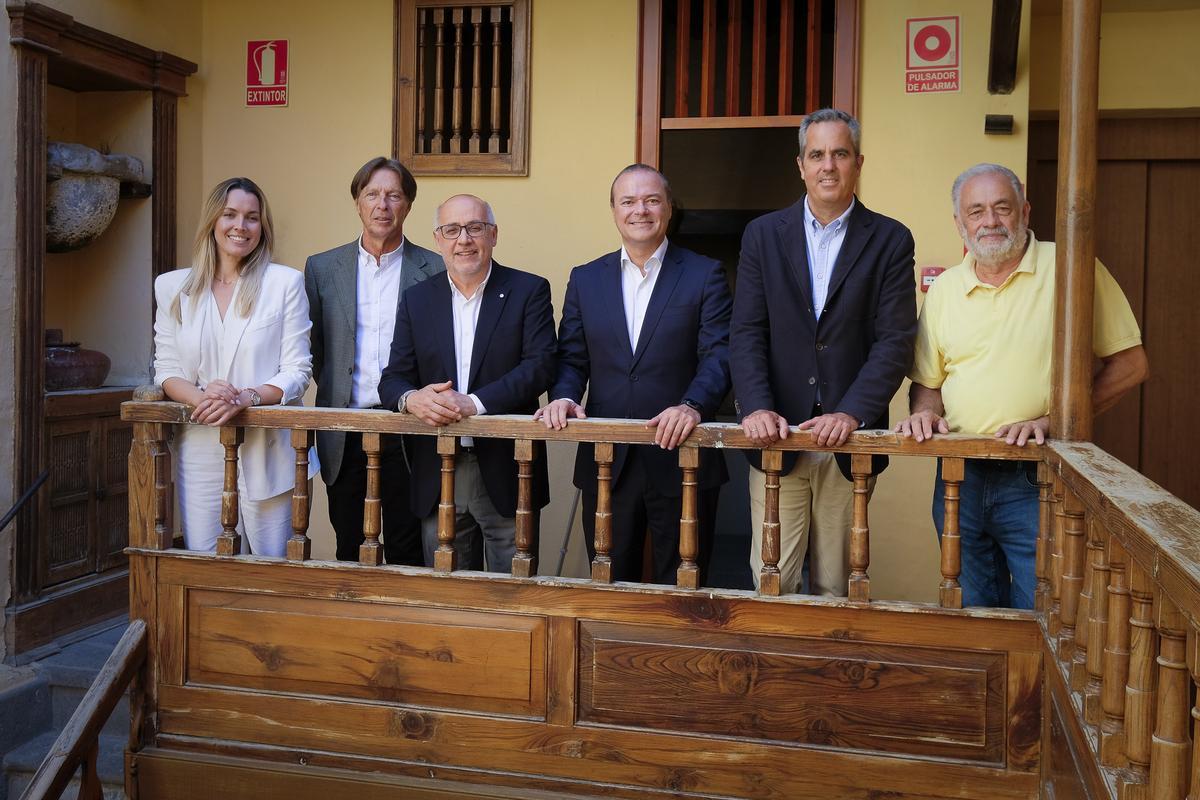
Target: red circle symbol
{"points": [[932, 43]]}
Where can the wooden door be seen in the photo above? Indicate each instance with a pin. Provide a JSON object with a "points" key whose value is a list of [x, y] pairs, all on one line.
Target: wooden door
{"points": [[1147, 235]]}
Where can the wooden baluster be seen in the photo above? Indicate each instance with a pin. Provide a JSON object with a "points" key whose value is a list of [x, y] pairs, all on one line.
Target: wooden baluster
{"points": [[812, 71], [1116, 659], [90, 785], [422, 22], [445, 559], [1141, 687], [229, 543], [950, 592], [1098, 622], [1045, 539], [733, 61], [602, 563], [476, 77], [1078, 670], [860, 533], [768, 578], [370, 552], [1193, 659], [758, 61], [497, 16], [149, 483], [456, 100], [299, 547], [1072, 579], [524, 563], [787, 55], [1057, 561], [688, 574], [1170, 747], [683, 42], [438, 143], [708, 60]]}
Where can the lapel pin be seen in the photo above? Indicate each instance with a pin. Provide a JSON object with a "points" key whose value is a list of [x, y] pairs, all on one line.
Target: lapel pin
{"points": [[502, 295]]}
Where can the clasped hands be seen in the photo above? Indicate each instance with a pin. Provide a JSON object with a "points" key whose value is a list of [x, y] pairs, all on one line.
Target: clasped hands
{"points": [[672, 426], [439, 404], [221, 401]]}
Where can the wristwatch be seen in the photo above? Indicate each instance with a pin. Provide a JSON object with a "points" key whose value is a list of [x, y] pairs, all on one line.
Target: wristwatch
{"points": [[255, 397], [403, 407], [692, 404]]}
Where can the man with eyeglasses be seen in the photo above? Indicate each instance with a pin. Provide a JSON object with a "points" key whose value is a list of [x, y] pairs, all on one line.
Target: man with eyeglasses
{"points": [[645, 330], [353, 292], [480, 341]]}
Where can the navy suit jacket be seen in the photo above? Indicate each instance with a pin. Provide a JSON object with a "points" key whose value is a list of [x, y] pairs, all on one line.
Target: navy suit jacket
{"points": [[681, 354], [860, 349], [512, 363]]}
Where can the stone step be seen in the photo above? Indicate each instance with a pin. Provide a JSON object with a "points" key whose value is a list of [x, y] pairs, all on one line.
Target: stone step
{"points": [[21, 764], [24, 706]]}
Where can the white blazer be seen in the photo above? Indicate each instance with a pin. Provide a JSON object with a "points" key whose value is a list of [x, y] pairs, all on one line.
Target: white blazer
{"points": [[270, 346]]}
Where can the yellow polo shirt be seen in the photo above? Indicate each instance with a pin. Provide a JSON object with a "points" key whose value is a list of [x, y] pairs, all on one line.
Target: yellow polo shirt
{"points": [[988, 348]]}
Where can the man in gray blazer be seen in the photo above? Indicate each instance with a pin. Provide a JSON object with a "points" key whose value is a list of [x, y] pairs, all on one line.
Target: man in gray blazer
{"points": [[353, 292]]}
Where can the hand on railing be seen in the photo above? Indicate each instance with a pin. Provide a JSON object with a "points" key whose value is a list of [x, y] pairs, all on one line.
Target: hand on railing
{"points": [[1019, 433], [922, 425], [555, 414], [764, 427]]}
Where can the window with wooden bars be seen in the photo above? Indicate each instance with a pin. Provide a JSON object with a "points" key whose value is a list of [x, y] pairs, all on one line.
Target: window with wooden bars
{"points": [[462, 88]]}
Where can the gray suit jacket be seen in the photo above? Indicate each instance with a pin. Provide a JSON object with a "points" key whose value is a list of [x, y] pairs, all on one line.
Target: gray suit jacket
{"points": [[331, 281]]}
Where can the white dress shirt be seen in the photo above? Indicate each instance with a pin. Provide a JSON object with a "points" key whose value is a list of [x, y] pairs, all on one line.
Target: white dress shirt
{"points": [[378, 296], [636, 289], [466, 319], [824, 244]]}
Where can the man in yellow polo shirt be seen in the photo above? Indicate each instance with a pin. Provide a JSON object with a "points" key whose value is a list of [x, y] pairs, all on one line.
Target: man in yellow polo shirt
{"points": [[982, 365]]}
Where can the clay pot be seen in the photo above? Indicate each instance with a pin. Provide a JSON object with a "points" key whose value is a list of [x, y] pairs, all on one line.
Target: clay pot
{"points": [[81, 198], [68, 366]]}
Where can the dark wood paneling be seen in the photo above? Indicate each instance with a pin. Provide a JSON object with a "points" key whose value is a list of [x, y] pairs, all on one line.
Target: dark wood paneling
{"points": [[105, 401], [162, 226], [65, 609]]}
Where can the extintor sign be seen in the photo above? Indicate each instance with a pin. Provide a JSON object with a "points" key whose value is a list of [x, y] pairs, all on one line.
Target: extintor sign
{"points": [[267, 72], [932, 64]]}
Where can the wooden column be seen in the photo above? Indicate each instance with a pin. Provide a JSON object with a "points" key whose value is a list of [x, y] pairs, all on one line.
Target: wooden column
{"points": [[1098, 623], [445, 558], [688, 574], [1170, 747], [162, 197], [456, 99], [1140, 689], [1045, 540], [602, 563], [1057, 560], [768, 579], [370, 552], [860, 532], [299, 547], [1071, 402], [437, 143], [1079, 656], [1074, 546], [476, 78], [950, 592], [524, 563], [229, 543], [1116, 658]]}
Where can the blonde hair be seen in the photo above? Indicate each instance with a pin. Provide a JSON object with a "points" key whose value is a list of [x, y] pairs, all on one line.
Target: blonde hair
{"points": [[204, 251]]}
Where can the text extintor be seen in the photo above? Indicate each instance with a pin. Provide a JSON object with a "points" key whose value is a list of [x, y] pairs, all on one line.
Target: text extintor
{"points": [[933, 48], [267, 72]]}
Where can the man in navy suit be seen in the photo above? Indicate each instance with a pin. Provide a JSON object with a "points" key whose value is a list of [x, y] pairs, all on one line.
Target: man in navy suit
{"points": [[822, 335], [645, 330], [479, 341]]}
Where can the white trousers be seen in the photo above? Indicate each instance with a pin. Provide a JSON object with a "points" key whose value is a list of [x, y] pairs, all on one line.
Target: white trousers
{"points": [[265, 525]]}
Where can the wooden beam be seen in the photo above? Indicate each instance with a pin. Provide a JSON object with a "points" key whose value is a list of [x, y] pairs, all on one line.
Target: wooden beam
{"points": [[787, 53], [1006, 38], [845, 57], [812, 60], [733, 60], [708, 60], [683, 43], [1071, 405], [758, 61], [649, 81]]}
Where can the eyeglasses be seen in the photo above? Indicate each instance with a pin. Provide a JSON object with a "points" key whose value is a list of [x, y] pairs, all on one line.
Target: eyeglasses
{"points": [[453, 230]]}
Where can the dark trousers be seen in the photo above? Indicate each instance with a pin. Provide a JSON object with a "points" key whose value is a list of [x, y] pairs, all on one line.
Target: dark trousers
{"points": [[401, 528], [637, 507]]}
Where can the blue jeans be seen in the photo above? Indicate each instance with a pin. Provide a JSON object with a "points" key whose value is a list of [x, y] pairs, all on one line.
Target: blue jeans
{"points": [[998, 523]]}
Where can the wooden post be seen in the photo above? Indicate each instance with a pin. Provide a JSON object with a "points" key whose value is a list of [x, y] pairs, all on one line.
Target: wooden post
{"points": [[860, 532], [437, 143], [1098, 623], [688, 574], [299, 547], [456, 99], [524, 563], [445, 559], [1057, 561], [1072, 579], [476, 77], [229, 543], [1071, 401], [1193, 659], [370, 552], [496, 16], [950, 592], [1078, 671], [1116, 659], [149, 492], [602, 563], [1140, 689], [1045, 540], [768, 578], [1170, 748]]}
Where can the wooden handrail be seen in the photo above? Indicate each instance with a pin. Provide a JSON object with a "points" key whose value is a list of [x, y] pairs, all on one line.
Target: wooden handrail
{"points": [[77, 743], [593, 429]]}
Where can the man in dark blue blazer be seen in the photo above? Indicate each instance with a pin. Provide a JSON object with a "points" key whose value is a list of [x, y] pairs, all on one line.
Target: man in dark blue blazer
{"points": [[823, 329], [645, 331], [480, 341]]}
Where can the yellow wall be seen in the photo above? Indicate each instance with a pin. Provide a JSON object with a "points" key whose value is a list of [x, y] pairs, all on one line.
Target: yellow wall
{"points": [[1148, 60], [915, 145]]}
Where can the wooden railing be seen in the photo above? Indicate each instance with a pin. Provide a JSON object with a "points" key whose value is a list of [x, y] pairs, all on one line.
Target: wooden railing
{"points": [[150, 441], [79, 742], [1119, 593]]}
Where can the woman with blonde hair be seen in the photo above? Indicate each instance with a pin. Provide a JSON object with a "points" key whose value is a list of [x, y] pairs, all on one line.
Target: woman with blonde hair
{"points": [[231, 332]]}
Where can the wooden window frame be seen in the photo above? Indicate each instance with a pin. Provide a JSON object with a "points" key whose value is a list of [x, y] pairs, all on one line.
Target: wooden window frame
{"points": [[404, 111]]}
